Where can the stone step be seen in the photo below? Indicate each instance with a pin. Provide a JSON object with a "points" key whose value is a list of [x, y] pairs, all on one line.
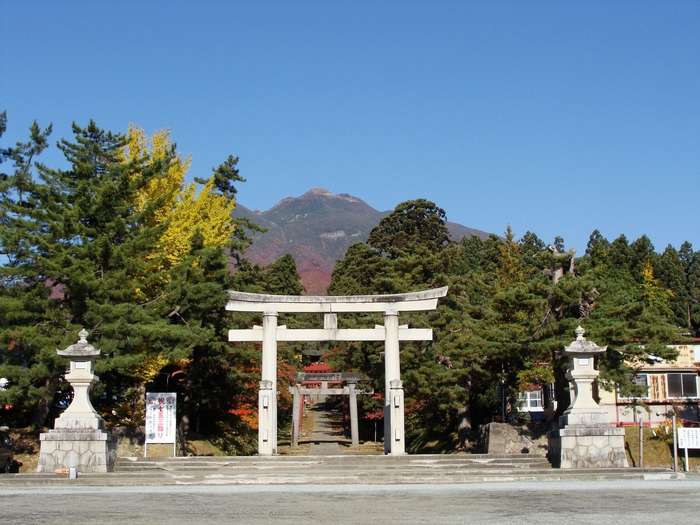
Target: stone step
{"points": [[306, 461], [446, 470], [341, 473], [117, 479], [332, 460], [346, 468], [340, 457]]}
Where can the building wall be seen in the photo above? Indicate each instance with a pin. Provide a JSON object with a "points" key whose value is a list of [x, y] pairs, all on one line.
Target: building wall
{"points": [[658, 403]]}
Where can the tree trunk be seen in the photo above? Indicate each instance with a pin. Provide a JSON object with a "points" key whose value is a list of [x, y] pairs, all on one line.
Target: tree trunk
{"points": [[464, 428], [561, 387], [43, 407]]}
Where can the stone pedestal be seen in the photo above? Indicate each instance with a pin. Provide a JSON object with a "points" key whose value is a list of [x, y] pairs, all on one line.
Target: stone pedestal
{"points": [[588, 446], [586, 437], [86, 450], [78, 438]]}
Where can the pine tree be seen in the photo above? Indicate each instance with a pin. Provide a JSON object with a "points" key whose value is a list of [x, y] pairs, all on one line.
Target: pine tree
{"points": [[412, 224], [24, 293], [281, 277]]}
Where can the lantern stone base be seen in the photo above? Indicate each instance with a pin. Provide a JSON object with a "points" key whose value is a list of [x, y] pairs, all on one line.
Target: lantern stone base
{"points": [[588, 446], [87, 450]]}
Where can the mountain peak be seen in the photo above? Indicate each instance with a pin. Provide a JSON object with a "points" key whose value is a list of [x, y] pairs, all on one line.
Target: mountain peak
{"points": [[319, 191], [323, 192], [317, 228]]}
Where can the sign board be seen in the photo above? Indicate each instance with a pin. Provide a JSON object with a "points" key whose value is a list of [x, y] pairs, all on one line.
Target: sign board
{"points": [[689, 438], [160, 417]]}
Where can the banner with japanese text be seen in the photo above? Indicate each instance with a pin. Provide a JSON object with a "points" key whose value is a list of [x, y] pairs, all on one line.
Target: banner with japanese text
{"points": [[161, 417]]}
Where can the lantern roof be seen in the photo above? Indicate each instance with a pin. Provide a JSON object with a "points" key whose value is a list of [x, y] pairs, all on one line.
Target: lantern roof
{"points": [[80, 349], [581, 345]]}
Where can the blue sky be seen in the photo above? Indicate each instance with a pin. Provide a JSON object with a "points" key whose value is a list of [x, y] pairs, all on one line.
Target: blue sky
{"points": [[557, 117]]}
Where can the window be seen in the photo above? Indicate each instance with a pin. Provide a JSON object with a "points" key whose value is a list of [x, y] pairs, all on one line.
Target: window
{"points": [[682, 385], [641, 380], [530, 401]]}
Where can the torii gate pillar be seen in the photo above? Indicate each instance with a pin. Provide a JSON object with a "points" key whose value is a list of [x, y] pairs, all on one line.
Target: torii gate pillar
{"points": [[267, 395], [394, 442], [352, 401]]}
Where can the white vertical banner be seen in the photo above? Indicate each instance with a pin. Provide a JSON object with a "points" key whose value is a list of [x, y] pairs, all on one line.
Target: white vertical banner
{"points": [[161, 417]]}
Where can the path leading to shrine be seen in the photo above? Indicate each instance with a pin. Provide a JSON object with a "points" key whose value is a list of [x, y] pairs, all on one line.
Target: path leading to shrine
{"points": [[323, 433], [327, 434]]}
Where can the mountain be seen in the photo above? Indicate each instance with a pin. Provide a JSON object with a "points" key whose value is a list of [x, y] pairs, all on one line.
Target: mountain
{"points": [[316, 229]]}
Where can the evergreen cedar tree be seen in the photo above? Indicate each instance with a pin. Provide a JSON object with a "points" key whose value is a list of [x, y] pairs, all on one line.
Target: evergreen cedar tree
{"points": [[83, 247]]}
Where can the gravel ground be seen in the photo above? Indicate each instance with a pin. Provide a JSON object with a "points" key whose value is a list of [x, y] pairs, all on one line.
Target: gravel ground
{"points": [[604, 502]]}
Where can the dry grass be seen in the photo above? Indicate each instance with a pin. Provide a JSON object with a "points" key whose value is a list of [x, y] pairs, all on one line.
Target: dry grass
{"points": [[26, 446], [657, 452]]}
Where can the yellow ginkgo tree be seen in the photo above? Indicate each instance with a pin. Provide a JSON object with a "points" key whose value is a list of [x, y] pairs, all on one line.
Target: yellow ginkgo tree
{"points": [[183, 210]]}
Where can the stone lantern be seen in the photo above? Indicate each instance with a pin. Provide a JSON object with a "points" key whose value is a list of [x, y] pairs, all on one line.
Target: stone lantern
{"points": [[78, 438], [586, 437]]}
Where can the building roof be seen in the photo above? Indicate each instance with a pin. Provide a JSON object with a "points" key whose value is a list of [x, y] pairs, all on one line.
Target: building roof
{"points": [[688, 360]]}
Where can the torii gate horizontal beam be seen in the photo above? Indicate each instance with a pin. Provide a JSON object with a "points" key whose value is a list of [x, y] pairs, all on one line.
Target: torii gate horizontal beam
{"points": [[344, 391], [404, 302], [331, 377], [378, 333]]}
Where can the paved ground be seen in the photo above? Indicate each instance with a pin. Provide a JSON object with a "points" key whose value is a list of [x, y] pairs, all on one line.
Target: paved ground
{"points": [[637, 502]]}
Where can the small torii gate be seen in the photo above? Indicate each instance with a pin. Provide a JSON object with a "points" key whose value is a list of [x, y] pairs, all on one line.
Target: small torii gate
{"points": [[391, 333], [301, 389]]}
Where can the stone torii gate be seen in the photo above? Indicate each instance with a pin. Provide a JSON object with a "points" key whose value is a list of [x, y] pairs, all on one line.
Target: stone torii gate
{"points": [[391, 333], [301, 389]]}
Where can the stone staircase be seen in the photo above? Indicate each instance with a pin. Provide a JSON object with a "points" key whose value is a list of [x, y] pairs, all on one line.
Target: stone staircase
{"points": [[334, 470]]}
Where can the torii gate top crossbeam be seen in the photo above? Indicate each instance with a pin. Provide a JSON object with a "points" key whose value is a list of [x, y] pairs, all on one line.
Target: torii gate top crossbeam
{"points": [[406, 302]]}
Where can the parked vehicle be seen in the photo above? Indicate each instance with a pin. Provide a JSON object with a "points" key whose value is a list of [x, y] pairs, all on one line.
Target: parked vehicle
{"points": [[7, 460]]}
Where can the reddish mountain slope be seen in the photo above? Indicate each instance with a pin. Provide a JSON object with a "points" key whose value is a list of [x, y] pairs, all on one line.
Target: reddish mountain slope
{"points": [[316, 229]]}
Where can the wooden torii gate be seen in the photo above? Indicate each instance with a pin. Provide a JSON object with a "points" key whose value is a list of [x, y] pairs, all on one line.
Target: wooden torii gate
{"points": [[391, 333]]}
